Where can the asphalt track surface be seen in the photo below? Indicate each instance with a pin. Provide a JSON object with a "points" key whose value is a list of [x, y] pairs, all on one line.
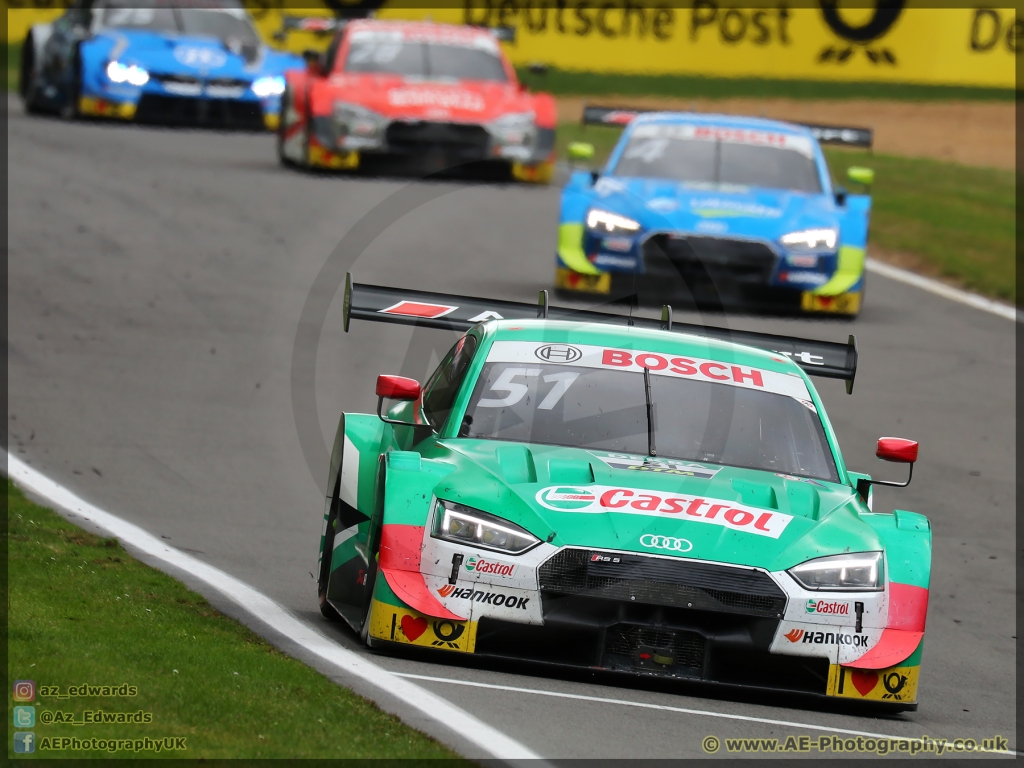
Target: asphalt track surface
{"points": [[156, 281]]}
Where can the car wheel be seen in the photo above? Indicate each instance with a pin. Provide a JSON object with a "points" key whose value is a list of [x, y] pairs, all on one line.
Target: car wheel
{"points": [[71, 111], [282, 128], [325, 561], [27, 81]]}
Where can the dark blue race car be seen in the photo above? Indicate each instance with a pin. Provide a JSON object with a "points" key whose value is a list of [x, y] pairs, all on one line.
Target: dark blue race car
{"points": [[716, 211], [163, 63]]}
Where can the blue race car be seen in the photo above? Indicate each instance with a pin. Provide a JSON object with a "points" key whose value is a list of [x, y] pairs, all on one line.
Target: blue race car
{"points": [[713, 211], [202, 65]]}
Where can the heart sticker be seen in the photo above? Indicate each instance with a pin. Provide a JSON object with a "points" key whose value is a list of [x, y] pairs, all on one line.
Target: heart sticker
{"points": [[864, 680], [413, 628]]}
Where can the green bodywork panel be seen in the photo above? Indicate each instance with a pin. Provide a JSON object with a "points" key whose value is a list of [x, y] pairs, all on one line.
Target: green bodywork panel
{"points": [[908, 545], [504, 478]]}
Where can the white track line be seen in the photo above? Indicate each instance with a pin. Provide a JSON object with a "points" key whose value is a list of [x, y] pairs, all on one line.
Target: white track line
{"points": [[487, 738], [941, 289], [681, 710]]}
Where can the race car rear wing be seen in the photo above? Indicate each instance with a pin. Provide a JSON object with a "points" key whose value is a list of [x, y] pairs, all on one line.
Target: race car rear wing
{"points": [[825, 134], [318, 25], [828, 359]]}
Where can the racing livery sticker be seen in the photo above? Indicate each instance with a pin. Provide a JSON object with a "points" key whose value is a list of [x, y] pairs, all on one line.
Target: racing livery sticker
{"points": [[892, 684], [418, 309], [404, 625], [482, 565], [725, 134], [840, 643], [610, 498], [660, 466], [658, 363]]}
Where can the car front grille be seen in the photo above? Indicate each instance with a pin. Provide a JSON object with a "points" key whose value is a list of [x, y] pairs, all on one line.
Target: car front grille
{"points": [[640, 579], [693, 258], [216, 113], [469, 141], [657, 648]]}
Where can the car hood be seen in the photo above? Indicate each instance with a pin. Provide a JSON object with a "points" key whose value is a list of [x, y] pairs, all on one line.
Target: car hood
{"points": [[714, 209], [556, 493], [409, 98], [165, 53]]}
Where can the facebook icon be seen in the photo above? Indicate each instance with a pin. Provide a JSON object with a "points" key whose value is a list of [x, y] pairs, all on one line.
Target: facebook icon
{"points": [[24, 742]]}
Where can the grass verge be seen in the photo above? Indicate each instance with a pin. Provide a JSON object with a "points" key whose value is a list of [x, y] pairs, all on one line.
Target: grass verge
{"points": [[82, 611], [948, 220], [563, 82]]}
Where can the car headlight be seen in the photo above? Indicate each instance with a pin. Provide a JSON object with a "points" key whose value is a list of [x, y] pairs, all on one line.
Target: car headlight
{"points": [[811, 240], [517, 129], [357, 126], [859, 572], [264, 87], [607, 222], [130, 73], [464, 525]]}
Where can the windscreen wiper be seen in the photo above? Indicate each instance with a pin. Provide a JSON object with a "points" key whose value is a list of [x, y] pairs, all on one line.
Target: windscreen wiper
{"points": [[651, 450]]}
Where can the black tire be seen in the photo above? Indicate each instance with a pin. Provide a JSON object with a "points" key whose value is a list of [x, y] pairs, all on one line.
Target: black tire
{"points": [[70, 111], [282, 128], [325, 560], [27, 77]]}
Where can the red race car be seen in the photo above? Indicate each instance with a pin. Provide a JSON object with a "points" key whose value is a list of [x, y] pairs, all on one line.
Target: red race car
{"points": [[433, 96]]}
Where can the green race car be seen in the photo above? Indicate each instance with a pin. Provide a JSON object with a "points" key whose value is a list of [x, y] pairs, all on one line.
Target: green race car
{"points": [[622, 494]]}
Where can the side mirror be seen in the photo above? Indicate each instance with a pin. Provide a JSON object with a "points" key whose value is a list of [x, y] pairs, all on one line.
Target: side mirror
{"points": [[536, 68], [396, 388], [313, 61], [894, 449], [581, 150], [841, 196], [862, 176]]}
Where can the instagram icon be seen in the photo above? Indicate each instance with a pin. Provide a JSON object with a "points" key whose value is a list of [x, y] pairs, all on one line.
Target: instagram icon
{"points": [[24, 690]]}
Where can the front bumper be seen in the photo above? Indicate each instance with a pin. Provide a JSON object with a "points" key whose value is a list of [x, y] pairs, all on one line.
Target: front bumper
{"points": [[174, 100], [666, 618], [692, 270], [433, 146]]}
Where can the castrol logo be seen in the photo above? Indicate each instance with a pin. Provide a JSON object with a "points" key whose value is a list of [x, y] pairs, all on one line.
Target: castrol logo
{"points": [[479, 565], [698, 509], [830, 607]]}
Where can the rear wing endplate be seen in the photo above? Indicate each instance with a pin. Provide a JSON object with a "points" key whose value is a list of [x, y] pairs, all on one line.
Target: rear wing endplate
{"points": [[828, 359], [825, 134]]}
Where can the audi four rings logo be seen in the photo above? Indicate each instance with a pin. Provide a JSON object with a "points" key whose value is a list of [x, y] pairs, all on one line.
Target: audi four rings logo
{"points": [[665, 542], [559, 353]]}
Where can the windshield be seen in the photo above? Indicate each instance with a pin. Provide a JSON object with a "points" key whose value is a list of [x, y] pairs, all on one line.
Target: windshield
{"points": [[227, 23], [727, 156], [392, 53], [703, 411]]}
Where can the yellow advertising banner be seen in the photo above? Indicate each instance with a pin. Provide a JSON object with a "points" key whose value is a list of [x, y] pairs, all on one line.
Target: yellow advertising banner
{"points": [[894, 41]]}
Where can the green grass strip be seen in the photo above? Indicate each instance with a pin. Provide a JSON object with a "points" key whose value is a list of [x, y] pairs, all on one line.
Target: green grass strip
{"points": [[82, 611], [563, 82], [958, 221]]}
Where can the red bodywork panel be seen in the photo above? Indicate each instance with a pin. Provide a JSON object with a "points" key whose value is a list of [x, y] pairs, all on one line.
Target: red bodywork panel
{"points": [[400, 547], [908, 609]]}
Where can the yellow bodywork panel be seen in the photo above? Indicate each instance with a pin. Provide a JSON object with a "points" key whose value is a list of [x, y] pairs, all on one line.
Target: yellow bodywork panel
{"points": [[404, 625]]}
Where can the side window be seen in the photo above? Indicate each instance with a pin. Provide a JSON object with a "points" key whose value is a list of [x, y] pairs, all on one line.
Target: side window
{"points": [[443, 386]]}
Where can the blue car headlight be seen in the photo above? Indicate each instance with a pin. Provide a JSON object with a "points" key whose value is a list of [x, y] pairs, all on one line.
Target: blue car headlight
{"points": [[811, 240], [127, 73], [265, 87], [608, 223]]}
